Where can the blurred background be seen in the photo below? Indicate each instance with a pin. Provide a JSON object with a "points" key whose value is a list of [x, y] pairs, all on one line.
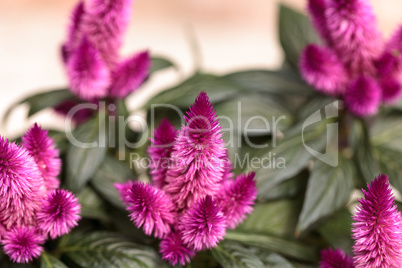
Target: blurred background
{"points": [[231, 35]]}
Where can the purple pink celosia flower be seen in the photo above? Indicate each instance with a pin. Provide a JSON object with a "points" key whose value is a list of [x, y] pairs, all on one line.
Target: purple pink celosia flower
{"points": [[354, 54], [193, 197], [335, 259], [91, 52], [377, 231], [31, 208]]}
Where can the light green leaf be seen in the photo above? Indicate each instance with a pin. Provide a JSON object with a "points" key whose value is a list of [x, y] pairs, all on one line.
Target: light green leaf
{"points": [[48, 261], [109, 250], [329, 188], [87, 150]]}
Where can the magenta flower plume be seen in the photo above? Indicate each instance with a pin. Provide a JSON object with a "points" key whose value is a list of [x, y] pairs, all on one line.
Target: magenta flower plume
{"points": [[197, 156], [203, 225], [378, 228], [88, 74], [159, 152], [354, 33], [22, 244], [130, 74], [321, 68], [237, 198], [21, 185], [74, 31], [174, 251], [335, 259], [105, 23], [124, 190], [43, 150], [59, 214], [150, 208], [363, 96], [391, 89]]}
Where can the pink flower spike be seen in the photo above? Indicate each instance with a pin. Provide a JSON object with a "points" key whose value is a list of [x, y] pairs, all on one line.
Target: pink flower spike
{"points": [[237, 197], [43, 150], [89, 76], [105, 23], [377, 230], [321, 68], [130, 74], [21, 244], [355, 36], [21, 185], [391, 89], [335, 259], [203, 225], [198, 156], [174, 251], [124, 190], [363, 96], [159, 152], [60, 213], [74, 31], [150, 208]]}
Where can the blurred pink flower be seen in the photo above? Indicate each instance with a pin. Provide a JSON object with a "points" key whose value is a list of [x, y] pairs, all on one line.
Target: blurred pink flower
{"points": [[335, 259], [174, 251]]}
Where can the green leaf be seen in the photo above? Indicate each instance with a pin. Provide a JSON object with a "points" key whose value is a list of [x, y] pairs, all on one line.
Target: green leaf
{"points": [[109, 250], [289, 156], [274, 82], [87, 150], [92, 206], [183, 95], [295, 32], [329, 188], [158, 63], [258, 113], [284, 247], [48, 261], [41, 101], [277, 218], [110, 172], [234, 255], [337, 230]]}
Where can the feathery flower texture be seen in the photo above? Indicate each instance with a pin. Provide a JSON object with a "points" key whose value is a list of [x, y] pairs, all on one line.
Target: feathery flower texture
{"points": [[91, 53], [377, 231], [355, 64], [31, 206], [193, 197]]}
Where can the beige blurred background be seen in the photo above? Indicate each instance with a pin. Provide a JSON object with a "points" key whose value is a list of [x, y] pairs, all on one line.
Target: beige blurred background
{"points": [[232, 34]]}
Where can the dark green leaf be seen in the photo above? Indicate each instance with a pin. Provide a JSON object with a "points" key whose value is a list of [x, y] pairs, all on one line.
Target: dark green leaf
{"points": [[265, 81], [158, 63], [92, 206], [289, 156], [87, 150], [109, 250], [329, 188], [277, 218], [259, 114], [234, 255], [110, 172], [295, 32], [48, 261], [288, 188], [337, 230], [284, 247], [183, 95], [41, 101]]}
